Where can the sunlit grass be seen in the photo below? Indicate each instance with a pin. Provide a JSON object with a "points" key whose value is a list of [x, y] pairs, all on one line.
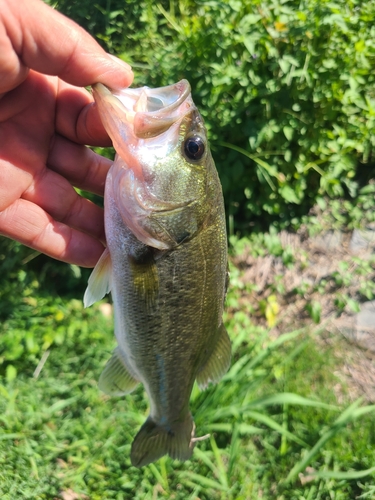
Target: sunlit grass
{"points": [[273, 417]]}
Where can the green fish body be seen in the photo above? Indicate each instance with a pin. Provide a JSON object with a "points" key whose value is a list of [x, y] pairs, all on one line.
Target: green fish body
{"points": [[165, 262]]}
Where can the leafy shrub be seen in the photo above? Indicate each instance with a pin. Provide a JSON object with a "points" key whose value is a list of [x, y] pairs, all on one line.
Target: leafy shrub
{"points": [[285, 87]]}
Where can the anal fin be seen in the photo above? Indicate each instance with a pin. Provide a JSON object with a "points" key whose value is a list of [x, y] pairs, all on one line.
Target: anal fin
{"points": [[115, 379], [218, 363]]}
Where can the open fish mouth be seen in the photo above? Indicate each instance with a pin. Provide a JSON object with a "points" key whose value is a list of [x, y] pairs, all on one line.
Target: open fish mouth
{"points": [[149, 112], [144, 99]]}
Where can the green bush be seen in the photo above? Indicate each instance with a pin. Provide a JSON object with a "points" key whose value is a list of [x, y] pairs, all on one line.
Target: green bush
{"points": [[286, 89]]}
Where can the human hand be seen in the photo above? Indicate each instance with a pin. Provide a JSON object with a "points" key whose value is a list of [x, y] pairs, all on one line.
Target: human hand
{"points": [[46, 119]]}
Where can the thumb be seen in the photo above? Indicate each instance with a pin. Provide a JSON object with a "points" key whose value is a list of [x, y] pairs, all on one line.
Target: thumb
{"points": [[36, 36]]}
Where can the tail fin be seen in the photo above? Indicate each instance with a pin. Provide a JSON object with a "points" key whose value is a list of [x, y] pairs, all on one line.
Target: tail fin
{"points": [[155, 440]]}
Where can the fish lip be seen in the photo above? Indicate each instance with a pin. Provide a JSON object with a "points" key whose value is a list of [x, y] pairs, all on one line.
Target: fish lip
{"points": [[173, 95], [136, 106]]}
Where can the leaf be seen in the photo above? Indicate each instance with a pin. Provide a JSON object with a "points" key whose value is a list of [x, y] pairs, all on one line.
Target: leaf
{"points": [[61, 404], [10, 373], [346, 476], [289, 194], [11, 436], [289, 398], [272, 310], [250, 19], [198, 479], [360, 45], [280, 26], [272, 424], [314, 309], [288, 132]]}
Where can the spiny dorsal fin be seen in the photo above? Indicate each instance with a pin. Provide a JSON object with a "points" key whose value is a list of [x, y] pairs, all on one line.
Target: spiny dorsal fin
{"points": [[115, 379], [218, 363], [99, 283]]}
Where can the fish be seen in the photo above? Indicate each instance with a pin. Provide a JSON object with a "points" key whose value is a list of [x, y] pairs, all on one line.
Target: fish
{"points": [[165, 262]]}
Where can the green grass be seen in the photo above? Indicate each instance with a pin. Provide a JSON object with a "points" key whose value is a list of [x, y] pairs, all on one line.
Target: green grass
{"points": [[273, 415]]}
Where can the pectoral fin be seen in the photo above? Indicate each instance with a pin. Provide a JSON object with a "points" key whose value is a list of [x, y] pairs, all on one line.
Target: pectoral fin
{"points": [[116, 379], [99, 283], [145, 279], [218, 363]]}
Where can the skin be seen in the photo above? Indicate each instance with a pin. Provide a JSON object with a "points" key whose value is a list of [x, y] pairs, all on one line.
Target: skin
{"points": [[46, 121]]}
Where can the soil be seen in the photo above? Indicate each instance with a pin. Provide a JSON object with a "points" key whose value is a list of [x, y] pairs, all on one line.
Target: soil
{"points": [[327, 274]]}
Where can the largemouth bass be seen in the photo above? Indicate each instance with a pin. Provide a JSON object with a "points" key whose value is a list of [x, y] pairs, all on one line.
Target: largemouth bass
{"points": [[165, 263]]}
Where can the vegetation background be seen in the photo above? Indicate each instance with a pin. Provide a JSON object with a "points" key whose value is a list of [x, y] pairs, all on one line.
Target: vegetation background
{"points": [[288, 95]]}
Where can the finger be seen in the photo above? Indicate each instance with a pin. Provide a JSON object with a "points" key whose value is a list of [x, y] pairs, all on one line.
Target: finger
{"points": [[50, 43], [55, 195], [77, 116], [12, 69], [79, 165], [31, 225], [13, 182]]}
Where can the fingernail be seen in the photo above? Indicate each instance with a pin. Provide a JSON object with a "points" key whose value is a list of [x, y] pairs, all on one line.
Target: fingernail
{"points": [[120, 62]]}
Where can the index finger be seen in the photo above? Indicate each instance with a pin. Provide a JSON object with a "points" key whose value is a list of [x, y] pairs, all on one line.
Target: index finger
{"points": [[50, 43], [32, 226]]}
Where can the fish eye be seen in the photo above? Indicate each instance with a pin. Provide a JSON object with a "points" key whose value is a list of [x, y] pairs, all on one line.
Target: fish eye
{"points": [[194, 147]]}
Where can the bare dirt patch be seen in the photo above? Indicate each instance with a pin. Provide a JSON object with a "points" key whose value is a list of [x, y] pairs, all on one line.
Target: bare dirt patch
{"points": [[322, 281]]}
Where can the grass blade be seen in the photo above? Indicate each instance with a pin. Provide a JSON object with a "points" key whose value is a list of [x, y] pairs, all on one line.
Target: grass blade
{"points": [[290, 398], [205, 482], [349, 415], [346, 476], [272, 424], [221, 472]]}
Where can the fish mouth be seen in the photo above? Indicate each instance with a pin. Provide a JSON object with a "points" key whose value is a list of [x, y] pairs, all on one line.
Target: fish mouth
{"points": [[143, 112]]}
